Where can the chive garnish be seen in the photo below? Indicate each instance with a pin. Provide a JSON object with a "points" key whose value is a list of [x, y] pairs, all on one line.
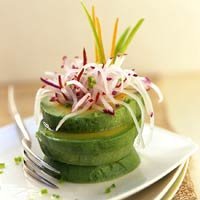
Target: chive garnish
{"points": [[43, 191], [2, 165], [93, 27], [117, 48], [121, 41], [18, 160], [131, 36], [108, 189], [91, 82], [55, 196]]}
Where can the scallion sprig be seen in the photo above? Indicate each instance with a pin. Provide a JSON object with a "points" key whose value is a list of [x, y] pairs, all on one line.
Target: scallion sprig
{"points": [[99, 49], [130, 37], [118, 47]]}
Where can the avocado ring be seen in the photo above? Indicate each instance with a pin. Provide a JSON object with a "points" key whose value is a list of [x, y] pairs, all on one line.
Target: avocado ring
{"points": [[90, 121], [87, 149], [93, 174]]}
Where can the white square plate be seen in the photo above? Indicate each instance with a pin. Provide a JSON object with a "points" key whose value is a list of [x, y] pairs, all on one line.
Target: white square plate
{"points": [[166, 152]]}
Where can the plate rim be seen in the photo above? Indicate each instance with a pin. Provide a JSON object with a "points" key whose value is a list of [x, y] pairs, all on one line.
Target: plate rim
{"points": [[176, 185]]}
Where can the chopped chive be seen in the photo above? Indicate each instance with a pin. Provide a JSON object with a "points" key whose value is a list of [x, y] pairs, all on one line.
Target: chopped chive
{"points": [[18, 160], [91, 82], [43, 191], [2, 165], [55, 196], [108, 189]]}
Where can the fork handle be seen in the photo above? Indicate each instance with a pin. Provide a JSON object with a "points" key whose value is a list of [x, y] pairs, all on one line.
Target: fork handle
{"points": [[18, 120], [23, 130]]}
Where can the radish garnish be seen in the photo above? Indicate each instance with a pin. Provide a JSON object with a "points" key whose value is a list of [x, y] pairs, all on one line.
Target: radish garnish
{"points": [[91, 86]]}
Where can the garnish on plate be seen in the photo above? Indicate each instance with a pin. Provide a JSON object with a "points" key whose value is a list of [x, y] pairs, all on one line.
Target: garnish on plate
{"points": [[2, 165], [18, 160], [43, 191], [55, 196], [109, 189]]}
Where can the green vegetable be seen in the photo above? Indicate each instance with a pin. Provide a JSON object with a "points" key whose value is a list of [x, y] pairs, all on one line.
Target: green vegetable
{"points": [[91, 82], [43, 191], [55, 196], [108, 190], [130, 36], [126, 38], [102, 59], [87, 148], [90, 121], [121, 41], [18, 160], [1, 172], [95, 174], [2, 165]]}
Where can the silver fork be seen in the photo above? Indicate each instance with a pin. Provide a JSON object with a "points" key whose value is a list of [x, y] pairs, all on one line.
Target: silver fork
{"points": [[33, 165]]}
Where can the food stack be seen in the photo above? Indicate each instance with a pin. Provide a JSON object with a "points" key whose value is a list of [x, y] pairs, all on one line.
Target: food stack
{"points": [[93, 111], [91, 147]]}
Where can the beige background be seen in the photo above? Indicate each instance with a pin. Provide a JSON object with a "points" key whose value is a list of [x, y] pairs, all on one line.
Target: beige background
{"points": [[35, 34]]}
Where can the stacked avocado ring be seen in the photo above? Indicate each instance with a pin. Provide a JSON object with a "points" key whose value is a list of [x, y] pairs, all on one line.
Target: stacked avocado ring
{"points": [[90, 147]]}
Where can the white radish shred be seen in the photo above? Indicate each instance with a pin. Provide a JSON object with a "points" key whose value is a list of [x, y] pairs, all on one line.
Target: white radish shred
{"points": [[78, 84], [158, 92], [39, 95], [96, 86], [139, 102], [80, 102], [72, 114]]}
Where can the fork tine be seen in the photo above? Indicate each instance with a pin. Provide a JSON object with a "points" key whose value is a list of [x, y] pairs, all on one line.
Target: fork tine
{"points": [[26, 141], [34, 161], [39, 166], [40, 162], [36, 175]]}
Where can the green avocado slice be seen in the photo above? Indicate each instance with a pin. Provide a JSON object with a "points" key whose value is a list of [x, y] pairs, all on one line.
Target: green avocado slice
{"points": [[90, 121], [93, 174], [90, 149]]}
